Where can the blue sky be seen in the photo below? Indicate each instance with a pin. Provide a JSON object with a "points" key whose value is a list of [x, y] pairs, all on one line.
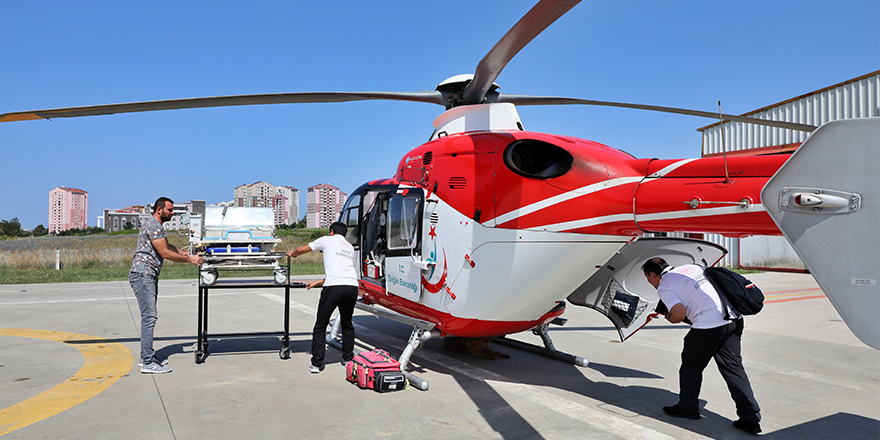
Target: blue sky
{"points": [[747, 54]]}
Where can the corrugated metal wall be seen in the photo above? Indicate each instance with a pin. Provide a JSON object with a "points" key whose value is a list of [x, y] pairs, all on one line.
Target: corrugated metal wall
{"points": [[857, 98], [769, 253], [731, 244]]}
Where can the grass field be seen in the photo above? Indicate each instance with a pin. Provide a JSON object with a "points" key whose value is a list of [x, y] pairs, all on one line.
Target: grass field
{"points": [[107, 257]]}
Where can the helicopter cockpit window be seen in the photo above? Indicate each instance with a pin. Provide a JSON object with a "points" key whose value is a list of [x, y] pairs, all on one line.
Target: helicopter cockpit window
{"points": [[403, 222]]}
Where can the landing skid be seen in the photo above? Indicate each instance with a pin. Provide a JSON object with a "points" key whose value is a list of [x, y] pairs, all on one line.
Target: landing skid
{"points": [[422, 331], [548, 350]]}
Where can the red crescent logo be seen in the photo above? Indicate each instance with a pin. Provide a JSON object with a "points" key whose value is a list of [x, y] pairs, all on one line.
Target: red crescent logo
{"points": [[434, 288]]}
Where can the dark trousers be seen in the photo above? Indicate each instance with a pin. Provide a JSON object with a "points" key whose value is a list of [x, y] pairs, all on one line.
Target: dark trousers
{"points": [[332, 297], [723, 344]]}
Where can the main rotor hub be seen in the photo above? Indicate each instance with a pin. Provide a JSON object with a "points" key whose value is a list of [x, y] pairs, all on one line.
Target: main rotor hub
{"points": [[452, 89]]}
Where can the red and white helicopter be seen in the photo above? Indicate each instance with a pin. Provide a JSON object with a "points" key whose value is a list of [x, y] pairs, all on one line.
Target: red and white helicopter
{"points": [[487, 229]]}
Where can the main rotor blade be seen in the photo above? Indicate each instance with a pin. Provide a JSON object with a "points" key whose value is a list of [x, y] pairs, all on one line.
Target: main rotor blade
{"points": [[551, 100], [431, 97], [525, 30]]}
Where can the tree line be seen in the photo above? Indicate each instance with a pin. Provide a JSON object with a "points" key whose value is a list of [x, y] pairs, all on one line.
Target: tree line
{"points": [[12, 228]]}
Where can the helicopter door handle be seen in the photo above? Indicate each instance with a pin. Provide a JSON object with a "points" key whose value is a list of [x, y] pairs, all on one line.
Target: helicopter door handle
{"points": [[695, 203], [421, 264]]}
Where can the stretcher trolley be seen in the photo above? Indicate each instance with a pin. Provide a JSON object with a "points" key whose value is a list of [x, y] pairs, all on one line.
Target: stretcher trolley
{"points": [[232, 283], [239, 238]]}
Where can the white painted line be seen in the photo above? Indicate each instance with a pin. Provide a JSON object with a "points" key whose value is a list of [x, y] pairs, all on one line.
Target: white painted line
{"points": [[694, 213], [113, 298], [550, 201], [567, 226], [671, 168]]}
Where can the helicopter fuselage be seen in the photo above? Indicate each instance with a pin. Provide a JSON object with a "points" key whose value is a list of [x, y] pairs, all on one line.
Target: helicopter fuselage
{"points": [[486, 233]]}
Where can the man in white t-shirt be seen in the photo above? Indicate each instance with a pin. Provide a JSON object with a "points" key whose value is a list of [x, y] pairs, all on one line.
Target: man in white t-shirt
{"points": [[340, 290], [688, 294]]}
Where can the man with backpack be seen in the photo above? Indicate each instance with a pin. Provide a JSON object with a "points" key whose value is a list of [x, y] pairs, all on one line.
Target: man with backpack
{"points": [[687, 293]]}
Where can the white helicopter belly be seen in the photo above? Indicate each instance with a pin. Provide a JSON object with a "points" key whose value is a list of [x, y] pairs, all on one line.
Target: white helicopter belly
{"points": [[499, 274]]}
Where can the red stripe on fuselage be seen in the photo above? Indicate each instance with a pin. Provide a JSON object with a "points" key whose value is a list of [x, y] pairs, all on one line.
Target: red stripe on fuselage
{"points": [[446, 323]]}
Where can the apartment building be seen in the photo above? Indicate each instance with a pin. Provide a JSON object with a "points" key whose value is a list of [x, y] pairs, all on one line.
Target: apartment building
{"points": [[68, 209], [292, 195], [281, 211], [256, 195], [180, 218], [118, 219], [265, 195], [323, 205]]}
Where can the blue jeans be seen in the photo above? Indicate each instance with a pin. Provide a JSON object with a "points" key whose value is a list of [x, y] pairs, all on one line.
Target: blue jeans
{"points": [[146, 289]]}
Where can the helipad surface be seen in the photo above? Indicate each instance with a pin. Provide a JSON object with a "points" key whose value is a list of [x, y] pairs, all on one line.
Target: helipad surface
{"points": [[68, 355]]}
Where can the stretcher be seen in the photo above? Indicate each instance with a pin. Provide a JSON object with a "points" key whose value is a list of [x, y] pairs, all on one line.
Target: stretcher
{"points": [[240, 238]]}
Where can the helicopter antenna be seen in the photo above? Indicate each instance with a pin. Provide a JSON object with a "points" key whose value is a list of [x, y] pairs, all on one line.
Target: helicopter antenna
{"points": [[723, 148]]}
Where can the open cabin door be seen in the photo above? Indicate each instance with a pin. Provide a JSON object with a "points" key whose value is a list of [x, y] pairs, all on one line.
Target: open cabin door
{"points": [[370, 203], [619, 289], [403, 231]]}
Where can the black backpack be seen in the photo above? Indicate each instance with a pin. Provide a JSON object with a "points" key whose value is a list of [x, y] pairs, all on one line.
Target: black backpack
{"points": [[737, 291]]}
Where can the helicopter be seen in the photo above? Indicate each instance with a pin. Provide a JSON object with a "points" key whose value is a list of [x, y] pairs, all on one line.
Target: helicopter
{"points": [[489, 230]]}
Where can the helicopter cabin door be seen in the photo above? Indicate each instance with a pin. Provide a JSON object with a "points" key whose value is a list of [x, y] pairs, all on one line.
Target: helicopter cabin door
{"points": [[619, 289], [403, 231]]}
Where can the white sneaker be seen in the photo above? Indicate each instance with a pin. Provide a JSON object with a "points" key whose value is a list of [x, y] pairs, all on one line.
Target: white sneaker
{"points": [[154, 368], [314, 369], [162, 362]]}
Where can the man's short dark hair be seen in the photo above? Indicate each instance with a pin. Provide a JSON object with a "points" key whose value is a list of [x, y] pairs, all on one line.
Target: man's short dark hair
{"points": [[655, 266], [160, 203], [339, 228]]}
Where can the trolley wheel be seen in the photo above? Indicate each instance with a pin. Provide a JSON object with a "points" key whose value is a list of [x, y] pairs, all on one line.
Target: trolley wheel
{"points": [[209, 277], [281, 277], [284, 353]]}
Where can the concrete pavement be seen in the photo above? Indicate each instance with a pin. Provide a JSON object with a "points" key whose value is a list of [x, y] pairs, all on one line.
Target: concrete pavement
{"points": [[62, 344]]}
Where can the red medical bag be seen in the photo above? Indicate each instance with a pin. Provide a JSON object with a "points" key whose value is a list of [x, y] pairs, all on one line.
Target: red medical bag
{"points": [[375, 370]]}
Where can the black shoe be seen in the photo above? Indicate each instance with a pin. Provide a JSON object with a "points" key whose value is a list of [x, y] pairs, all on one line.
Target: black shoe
{"points": [[675, 411], [751, 427]]}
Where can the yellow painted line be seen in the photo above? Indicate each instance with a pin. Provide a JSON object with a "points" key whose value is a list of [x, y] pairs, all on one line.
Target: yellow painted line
{"points": [[105, 363]]}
